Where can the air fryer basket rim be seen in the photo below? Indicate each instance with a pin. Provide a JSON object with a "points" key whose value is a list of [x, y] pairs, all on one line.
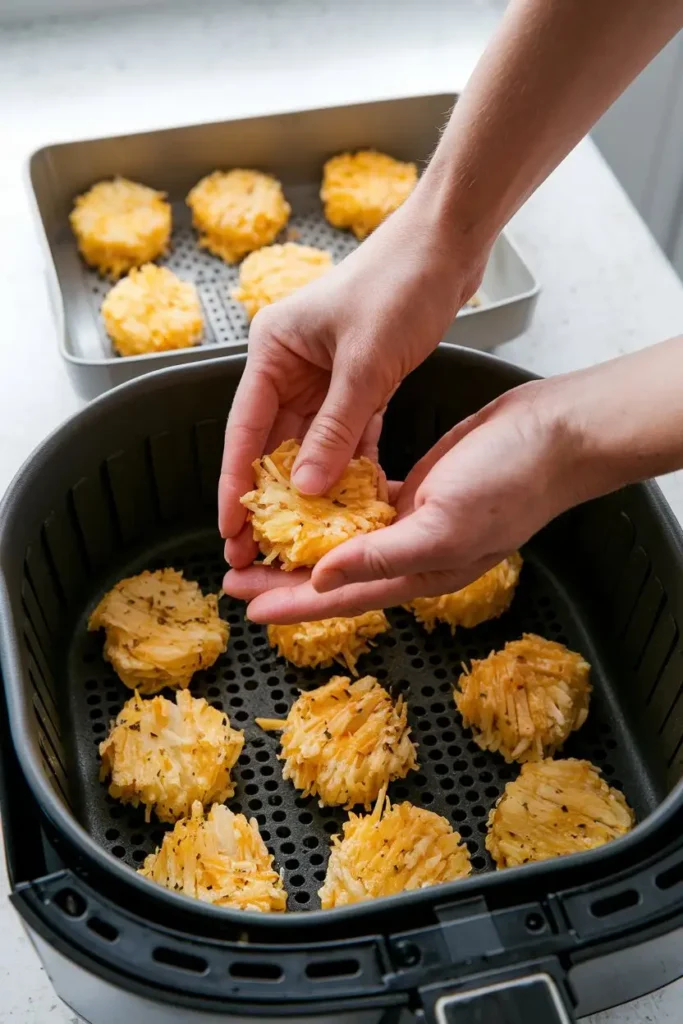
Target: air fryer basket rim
{"points": [[597, 862]]}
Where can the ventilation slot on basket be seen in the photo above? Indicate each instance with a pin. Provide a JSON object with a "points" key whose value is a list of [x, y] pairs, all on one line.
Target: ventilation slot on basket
{"points": [[180, 961], [258, 971], [616, 903], [323, 970], [102, 928], [671, 877]]}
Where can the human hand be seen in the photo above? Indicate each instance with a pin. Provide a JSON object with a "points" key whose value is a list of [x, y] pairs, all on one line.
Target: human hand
{"points": [[324, 362], [479, 494]]}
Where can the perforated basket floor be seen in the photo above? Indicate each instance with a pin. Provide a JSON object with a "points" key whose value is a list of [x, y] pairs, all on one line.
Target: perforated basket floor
{"points": [[455, 778]]}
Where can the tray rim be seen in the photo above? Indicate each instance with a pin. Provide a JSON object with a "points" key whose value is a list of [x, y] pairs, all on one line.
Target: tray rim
{"points": [[220, 349]]}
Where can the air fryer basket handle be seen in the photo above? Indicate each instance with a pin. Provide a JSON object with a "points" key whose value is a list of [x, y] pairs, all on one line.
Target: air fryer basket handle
{"points": [[533, 996]]}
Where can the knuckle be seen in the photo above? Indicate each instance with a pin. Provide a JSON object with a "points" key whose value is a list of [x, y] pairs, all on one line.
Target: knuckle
{"points": [[378, 564], [331, 431]]}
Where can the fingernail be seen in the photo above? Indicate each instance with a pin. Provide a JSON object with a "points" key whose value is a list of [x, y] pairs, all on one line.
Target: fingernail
{"points": [[309, 478], [328, 579]]}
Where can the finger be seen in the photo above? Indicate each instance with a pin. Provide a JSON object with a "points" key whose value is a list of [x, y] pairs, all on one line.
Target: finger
{"points": [[393, 491], [250, 421], [303, 603], [335, 433], [415, 544], [288, 425], [247, 583], [241, 550], [369, 442]]}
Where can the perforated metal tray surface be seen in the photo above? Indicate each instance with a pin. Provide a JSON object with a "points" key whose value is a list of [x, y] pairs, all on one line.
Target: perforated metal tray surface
{"points": [[455, 778]]}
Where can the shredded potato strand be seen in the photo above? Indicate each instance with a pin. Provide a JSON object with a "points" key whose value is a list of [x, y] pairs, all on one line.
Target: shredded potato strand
{"points": [[221, 859], [394, 849], [555, 808], [319, 644], [167, 755], [298, 530], [484, 599], [346, 740], [524, 701], [160, 630]]}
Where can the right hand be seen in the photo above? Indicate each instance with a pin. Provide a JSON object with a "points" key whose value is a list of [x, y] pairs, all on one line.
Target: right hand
{"points": [[324, 362]]}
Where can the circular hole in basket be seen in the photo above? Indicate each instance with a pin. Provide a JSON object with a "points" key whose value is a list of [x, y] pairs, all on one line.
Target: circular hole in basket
{"points": [[274, 801], [478, 863], [287, 848], [270, 785], [331, 827], [302, 897], [310, 842], [94, 698], [111, 834], [118, 851], [139, 856], [465, 831], [297, 880], [279, 815], [319, 875], [292, 864], [266, 769], [282, 832], [316, 858]]}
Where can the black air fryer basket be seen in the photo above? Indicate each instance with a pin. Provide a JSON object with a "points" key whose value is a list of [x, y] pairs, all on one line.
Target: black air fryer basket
{"points": [[130, 483]]}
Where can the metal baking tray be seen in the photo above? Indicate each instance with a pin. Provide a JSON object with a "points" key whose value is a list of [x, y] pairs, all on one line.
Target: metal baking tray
{"points": [[291, 146]]}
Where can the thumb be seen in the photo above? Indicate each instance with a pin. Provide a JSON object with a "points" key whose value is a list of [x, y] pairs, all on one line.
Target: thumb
{"points": [[333, 436], [411, 546]]}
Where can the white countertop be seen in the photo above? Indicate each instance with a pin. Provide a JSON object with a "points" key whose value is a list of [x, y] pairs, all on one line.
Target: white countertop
{"points": [[606, 288]]}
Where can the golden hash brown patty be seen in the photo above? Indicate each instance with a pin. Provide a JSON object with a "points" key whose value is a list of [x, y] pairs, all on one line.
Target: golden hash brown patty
{"points": [[394, 849], [524, 701], [119, 225], [484, 599], [360, 189], [555, 808], [344, 741], [319, 644], [276, 271], [297, 529], [220, 859], [160, 630], [237, 211], [167, 755], [152, 310]]}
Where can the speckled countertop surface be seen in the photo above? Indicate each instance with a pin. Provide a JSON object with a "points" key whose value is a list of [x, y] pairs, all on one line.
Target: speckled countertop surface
{"points": [[606, 288]]}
